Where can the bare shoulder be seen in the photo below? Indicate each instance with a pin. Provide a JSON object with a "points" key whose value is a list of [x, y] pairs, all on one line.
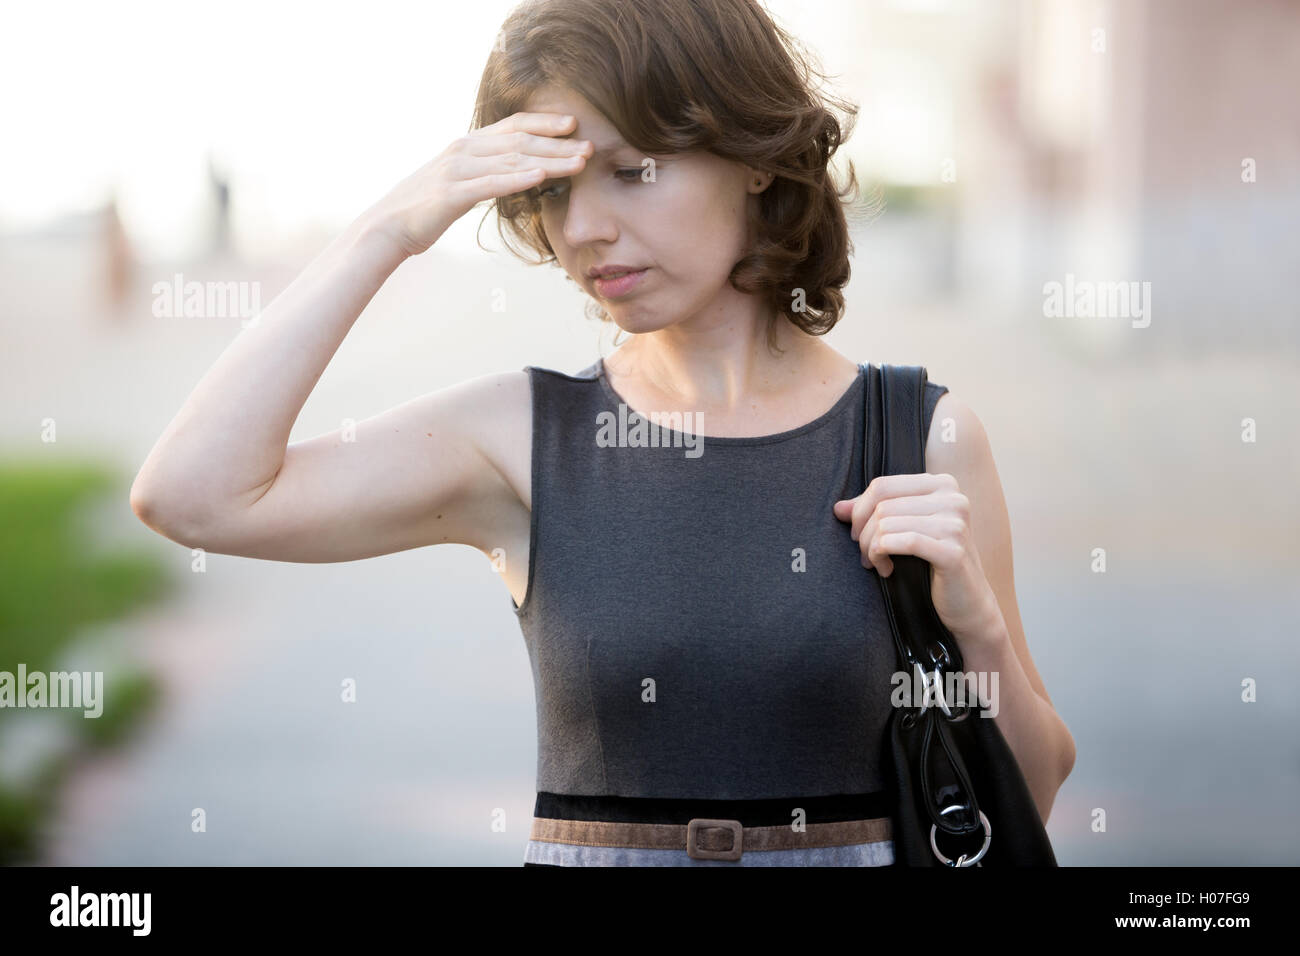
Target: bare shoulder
{"points": [[957, 443]]}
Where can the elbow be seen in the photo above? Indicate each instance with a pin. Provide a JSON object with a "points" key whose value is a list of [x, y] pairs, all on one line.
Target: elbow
{"points": [[1063, 769], [143, 503], [1067, 758], [174, 522]]}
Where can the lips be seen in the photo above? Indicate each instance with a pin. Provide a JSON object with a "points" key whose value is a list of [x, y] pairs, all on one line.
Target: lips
{"points": [[612, 270], [615, 285]]}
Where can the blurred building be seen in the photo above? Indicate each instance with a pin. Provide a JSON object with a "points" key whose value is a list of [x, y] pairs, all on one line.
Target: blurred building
{"points": [[1140, 141]]}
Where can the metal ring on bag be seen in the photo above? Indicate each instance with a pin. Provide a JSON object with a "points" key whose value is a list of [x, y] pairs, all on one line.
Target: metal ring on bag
{"points": [[962, 861], [938, 686]]}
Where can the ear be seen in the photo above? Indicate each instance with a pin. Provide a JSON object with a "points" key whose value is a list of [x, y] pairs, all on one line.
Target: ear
{"points": [[757, 180]]}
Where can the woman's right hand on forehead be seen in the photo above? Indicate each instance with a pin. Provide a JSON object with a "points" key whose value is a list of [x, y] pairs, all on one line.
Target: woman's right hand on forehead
{"points": [[511, 155]]}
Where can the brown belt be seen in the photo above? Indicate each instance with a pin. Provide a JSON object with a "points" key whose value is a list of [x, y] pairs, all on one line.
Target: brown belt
{"points": [[708, 839]]}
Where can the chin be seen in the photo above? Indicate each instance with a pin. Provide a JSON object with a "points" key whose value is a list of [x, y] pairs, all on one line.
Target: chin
{"points": [[634, 320], [635, 327]]}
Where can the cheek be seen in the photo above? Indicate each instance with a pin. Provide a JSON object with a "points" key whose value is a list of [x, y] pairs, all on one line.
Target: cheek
{"points": [[717, 226], [553, 229], [703, 247], [699, 226]]}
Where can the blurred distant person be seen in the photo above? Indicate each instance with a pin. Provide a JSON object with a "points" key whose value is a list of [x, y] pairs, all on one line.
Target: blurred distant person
{"points": [[219, 186], [118, 258]]}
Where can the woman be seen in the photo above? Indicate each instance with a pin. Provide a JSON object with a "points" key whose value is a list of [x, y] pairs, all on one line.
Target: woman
{"points": [[711, 657]]}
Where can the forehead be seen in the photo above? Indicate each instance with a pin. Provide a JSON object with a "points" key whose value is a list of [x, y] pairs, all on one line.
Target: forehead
{"points": [[592, 124]]}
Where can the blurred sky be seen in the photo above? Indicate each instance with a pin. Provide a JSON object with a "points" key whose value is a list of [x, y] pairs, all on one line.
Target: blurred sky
{"points": [[314, 110]]}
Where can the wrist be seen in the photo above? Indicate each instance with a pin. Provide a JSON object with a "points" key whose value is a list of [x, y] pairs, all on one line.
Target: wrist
{"points": [[989, 632], [379, 237]]}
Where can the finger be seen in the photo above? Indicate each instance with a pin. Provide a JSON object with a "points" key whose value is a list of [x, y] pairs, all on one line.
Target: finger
{"points": [[470, 165], [874, 543], [875, 540], [525, 143], [481, 175], [935, 503], [883, 487], [480, 188], [550, 123], [874, 554], [938, 553], [558, 167], [876, 557]]}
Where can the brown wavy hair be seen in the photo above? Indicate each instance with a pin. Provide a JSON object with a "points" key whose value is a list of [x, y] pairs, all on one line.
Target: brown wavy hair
{"points": [[684, 75]]}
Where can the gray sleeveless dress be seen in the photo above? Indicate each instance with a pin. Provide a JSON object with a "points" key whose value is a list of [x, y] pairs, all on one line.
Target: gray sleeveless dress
{"points": [[704, 640]]}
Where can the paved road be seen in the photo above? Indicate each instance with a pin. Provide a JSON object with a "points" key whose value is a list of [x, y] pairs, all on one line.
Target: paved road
{"points": [[1145, 663]]}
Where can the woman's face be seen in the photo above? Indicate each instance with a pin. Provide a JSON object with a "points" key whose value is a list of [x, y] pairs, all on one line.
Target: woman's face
{"points": [[686, 227]]}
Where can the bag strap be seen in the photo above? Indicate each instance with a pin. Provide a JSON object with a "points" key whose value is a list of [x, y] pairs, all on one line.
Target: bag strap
{"points": [[895, 445]]}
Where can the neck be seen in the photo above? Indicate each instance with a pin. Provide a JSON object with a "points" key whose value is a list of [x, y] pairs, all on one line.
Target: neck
{"points": [[718, 365]]}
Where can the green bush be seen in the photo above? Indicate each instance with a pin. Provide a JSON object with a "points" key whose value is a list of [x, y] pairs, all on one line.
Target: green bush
{"points": [[53, 585]]}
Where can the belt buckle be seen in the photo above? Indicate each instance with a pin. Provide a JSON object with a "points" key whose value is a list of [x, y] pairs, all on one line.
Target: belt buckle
{"points": [[697, 852]]}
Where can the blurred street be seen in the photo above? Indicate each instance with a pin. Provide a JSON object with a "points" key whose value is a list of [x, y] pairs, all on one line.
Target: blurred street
{"points": [[1143, 662]]}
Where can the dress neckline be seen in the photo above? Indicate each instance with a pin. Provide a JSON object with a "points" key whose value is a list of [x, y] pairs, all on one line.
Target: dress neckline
{"points": [[843, 402]]}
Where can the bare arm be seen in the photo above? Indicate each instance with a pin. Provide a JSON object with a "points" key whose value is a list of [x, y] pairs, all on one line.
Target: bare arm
{"points": [[1034, 731], [443, 467], [224, 449]]}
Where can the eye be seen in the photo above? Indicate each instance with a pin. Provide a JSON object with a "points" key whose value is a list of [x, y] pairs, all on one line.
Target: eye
{"points": [[627, 175]]}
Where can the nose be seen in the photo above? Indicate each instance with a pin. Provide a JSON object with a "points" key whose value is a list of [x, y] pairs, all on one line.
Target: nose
{"points": [[587, 216]]}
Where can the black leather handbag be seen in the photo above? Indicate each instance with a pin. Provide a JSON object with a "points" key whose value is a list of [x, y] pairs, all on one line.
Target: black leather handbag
{"points": [[961, 799]]}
